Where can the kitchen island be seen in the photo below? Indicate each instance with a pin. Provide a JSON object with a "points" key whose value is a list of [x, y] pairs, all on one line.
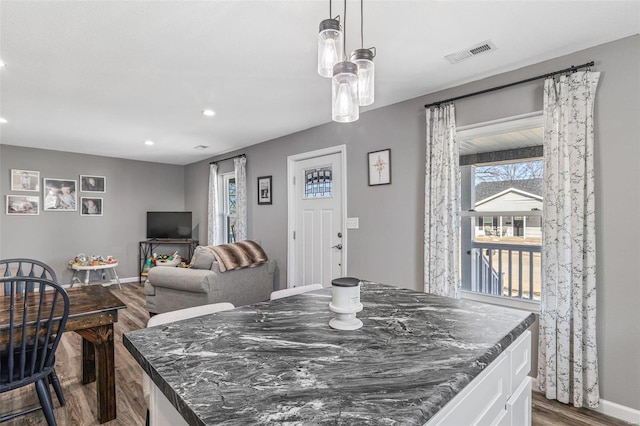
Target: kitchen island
{"points": [[418, 358]]}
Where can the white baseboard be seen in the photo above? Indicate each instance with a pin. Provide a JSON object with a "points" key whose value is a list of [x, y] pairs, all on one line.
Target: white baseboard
{"points": [[620, 412]]}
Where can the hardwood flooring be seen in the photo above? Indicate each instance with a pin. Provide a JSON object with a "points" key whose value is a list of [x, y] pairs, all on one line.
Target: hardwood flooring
{"points": [[81, 399]]}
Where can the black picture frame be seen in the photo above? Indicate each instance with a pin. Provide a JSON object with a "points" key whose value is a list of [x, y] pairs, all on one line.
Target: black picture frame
{"points": [[265, 195], [379, 167]]}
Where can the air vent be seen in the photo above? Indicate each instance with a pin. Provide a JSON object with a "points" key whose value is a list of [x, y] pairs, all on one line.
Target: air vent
{"points": [[478, 49], [200, 147]]}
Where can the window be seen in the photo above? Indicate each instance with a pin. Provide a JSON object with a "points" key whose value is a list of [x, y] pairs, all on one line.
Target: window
{"points": [[228, 206], [318, 183], [501, 213]]}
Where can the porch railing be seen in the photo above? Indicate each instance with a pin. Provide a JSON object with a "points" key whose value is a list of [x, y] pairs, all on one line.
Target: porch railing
{"points": [[511, 270]]}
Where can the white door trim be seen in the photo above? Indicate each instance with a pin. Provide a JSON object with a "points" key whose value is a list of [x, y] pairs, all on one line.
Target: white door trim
{"points": [[291, 214]]}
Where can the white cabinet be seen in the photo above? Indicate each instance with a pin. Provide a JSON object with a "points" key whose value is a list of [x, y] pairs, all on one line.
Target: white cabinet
{"points": [[500, 395], [161, 412]]}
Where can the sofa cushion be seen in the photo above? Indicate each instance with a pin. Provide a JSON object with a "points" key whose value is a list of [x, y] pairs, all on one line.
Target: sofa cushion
{"points": [[181, 279], [202, 258]]}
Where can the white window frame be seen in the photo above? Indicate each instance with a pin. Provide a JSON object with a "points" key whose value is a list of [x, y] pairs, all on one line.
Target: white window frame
{"points": [[225, 178], [505, 125]]}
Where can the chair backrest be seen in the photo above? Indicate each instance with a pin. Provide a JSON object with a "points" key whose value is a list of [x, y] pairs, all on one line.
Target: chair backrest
{"points": [[187, 313], [25, 268], [31, 325], [279, 294]]}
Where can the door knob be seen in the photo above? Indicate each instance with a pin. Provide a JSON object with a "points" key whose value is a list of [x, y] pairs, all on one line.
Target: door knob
{"points": [[338, 246]]}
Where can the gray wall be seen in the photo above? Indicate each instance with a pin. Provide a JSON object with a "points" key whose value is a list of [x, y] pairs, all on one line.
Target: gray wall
{"points": [[133, 188], [388, 245]]}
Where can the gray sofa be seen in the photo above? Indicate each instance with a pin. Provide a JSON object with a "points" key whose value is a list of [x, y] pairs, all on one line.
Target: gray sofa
{"points": [[169, 288]]}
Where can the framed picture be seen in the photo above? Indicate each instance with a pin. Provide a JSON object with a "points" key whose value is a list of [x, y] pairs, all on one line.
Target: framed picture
{"points": [[379, 165], [60, 195], [264, 190], [91, 206], [23, 205], [93, 183], [25, 180]]}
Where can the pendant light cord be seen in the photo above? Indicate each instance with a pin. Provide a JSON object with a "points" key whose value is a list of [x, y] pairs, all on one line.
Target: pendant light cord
{"points": [[344, 37], [330, 15], [361, 24]]}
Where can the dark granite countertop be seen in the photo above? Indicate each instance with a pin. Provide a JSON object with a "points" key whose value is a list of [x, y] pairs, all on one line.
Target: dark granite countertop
{"points": [[279, 362]]}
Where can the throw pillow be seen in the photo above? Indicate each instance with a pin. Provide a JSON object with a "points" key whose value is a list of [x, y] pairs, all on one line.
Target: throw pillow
{"points": [[202, 258]]}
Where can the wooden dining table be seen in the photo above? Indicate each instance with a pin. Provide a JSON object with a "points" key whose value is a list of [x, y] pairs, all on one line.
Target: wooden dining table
{"points": [[92, 312]]}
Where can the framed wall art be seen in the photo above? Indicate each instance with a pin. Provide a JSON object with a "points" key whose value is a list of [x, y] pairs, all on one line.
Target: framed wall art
{"points": [[25, 180], [23, 205], [264, 190], [60, 194], [379, 166], [90, 183], [91, 206]]}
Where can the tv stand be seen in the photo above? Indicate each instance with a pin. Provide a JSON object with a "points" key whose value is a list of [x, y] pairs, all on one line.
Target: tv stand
{"points": [[146, 247]]}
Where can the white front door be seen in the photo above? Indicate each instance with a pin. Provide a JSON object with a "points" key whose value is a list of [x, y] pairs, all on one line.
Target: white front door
{"points": [[317, 240]]}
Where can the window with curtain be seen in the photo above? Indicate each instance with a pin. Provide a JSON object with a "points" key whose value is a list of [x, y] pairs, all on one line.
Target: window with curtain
{"points": [[502, 211]]}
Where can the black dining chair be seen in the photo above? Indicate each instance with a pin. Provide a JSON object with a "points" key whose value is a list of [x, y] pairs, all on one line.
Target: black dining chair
{"points": [[31, 325], [35, 269]]}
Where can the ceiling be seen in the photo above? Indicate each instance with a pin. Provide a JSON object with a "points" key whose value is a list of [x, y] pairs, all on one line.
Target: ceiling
{"points": [[101, 77]]}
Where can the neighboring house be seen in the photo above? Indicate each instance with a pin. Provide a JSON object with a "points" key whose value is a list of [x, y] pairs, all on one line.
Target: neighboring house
{"points": [[511, 225]]}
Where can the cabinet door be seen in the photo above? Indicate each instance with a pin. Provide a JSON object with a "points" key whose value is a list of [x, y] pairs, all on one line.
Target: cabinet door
{"points": [[482, 401], [520, 353], [519, 405]]}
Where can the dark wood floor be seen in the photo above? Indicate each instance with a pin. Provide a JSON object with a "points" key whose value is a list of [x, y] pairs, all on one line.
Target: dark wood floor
{"points": [[81, 399]]}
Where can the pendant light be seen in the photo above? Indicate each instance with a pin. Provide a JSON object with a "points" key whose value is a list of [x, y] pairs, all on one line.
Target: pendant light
{"points": [[344, 86], [363, 58], [330, 45], [344, 93]]}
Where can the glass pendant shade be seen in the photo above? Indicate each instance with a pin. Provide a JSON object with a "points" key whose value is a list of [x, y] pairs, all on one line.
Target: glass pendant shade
{"points": [[329, 46], [363, 58], [344, 93]]}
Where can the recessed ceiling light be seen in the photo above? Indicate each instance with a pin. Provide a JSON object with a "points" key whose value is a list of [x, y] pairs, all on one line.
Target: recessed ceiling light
{"points": [[148, 142], [3, 120], [208, 112], [2, 63]]}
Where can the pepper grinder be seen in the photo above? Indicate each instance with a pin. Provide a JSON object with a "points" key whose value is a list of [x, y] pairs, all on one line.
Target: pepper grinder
{"points": [[345, 302]]}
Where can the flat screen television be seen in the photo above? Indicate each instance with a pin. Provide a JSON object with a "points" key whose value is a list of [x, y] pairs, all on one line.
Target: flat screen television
{"points": [[169, 225]]}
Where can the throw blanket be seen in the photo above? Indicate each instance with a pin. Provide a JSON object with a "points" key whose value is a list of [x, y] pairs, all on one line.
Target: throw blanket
{"points": [[242, 254]]}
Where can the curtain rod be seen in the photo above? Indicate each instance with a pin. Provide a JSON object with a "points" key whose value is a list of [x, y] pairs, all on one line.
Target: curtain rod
{"points": [[493, 89], [229, 158]]}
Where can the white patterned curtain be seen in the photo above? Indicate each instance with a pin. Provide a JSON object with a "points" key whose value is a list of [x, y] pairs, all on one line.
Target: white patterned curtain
{"points": [[213, 222], [568, 364], [241, 198], [442, 203]]}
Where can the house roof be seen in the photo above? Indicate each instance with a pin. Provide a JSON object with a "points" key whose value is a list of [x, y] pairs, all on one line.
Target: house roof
{"points": [[485, 190], [511, 199]]}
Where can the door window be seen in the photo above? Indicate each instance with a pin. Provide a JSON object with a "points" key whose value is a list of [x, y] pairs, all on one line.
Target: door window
{"points": [[318, 183]]}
